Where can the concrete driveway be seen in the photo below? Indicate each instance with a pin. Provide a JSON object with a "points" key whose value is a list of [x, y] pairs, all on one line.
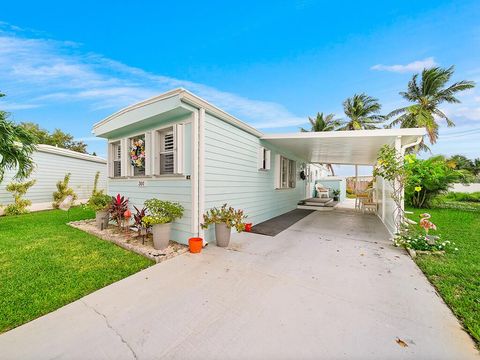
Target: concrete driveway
{"points": [[331, 286]]}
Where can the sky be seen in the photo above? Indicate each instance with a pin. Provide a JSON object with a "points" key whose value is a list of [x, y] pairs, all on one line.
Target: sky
{"points": [[272, 64]]}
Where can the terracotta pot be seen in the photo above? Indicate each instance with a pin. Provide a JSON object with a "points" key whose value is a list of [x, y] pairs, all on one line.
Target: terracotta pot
{"points": [[222, 235], [195, 244], [161, 235], [101, 219]]}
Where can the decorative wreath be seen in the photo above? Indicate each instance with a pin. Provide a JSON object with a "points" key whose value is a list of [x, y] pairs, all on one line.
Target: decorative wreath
{"points": [[137, 154]]}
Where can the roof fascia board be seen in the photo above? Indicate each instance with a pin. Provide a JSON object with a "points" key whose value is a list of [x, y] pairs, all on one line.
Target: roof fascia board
{"points": [[349, 133]]}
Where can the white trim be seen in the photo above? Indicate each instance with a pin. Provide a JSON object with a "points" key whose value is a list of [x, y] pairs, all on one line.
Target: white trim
{"points": [[349, 133], [69, 153], [201, 170], [195, 159]]}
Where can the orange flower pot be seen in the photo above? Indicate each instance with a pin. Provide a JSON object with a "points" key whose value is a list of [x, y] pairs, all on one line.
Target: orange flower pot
{"points": [[195, 245]]}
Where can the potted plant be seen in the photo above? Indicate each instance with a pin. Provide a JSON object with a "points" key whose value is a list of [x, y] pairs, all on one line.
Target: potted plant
{"points": [[336, 194], [162, 214], [224, 219], [100, 203], [117, 208]]}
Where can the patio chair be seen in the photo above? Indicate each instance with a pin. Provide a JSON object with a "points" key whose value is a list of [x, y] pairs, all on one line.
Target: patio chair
{"points": [[368, 204]]}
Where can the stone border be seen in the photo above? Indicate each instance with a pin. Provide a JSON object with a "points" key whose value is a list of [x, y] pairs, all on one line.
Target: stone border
{"points": [[131, 241]]}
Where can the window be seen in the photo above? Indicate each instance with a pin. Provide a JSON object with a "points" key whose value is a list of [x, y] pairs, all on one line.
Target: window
{"points": [[137, 155], [263, 159], [116, 152], [167, 151], [287, 173]]}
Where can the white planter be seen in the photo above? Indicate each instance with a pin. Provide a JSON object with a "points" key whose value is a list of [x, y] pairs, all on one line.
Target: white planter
{"points": [[161, 235], [222, 235], [101, 219]]}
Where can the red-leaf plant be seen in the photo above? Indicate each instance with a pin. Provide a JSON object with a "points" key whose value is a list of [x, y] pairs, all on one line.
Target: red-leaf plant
{"points": [[118, 206], [138, 217]]}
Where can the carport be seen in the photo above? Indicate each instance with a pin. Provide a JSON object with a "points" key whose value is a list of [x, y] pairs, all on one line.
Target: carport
{"points": [[359, 147]]}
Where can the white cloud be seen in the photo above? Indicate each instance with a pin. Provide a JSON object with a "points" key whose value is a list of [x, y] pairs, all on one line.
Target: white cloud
{"points": [[41, 72], [414, 66]]}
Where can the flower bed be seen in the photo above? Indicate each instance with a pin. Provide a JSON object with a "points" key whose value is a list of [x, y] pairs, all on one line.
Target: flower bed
{"points": [[131, 241]]}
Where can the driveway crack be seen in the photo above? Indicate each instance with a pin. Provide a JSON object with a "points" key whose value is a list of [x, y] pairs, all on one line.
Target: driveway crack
{"points": [[111, 328]]}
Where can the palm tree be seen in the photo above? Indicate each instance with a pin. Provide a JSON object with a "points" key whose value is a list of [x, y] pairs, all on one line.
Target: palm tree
{"points": [[16, 147], [324, 123], [362, 110], [427, 94]]}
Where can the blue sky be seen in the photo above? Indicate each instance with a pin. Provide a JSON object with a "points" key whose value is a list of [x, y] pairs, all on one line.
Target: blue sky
{"points": [[69, 64]]}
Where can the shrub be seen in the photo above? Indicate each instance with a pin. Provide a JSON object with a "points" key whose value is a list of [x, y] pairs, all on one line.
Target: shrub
{"points": [[117, 208], [19, 205], [95, 190], [429, 178], [162, 212], [229, 216], [99, 201], [63, 191]]}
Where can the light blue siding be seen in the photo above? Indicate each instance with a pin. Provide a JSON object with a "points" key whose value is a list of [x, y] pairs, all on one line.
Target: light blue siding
{"points": [[232, 175], [171, 189], [50, 168]]}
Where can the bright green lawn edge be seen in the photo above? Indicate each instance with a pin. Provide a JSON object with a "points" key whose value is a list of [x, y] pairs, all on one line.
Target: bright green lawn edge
{"points": [[456, 275], [46, 264]]}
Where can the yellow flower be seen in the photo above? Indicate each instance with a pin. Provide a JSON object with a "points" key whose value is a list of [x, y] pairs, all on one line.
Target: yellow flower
{"points": [[418, 188]]}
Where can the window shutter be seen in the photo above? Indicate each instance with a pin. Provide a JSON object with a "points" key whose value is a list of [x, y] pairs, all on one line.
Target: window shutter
{"points": [[148, 153], [267, 160], [277, 169], [125, 151], [179, 138], [110, 160], [260, 158]]}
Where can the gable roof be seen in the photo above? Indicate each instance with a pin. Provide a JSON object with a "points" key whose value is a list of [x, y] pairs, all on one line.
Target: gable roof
{"points": [[178, 97]]}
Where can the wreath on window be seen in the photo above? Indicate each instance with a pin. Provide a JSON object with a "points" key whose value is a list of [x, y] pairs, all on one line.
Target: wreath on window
{"points": [[137, 154]]}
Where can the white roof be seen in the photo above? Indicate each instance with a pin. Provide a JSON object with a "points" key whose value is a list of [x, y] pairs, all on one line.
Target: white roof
{"points": [[343, 147], [69, 153]]}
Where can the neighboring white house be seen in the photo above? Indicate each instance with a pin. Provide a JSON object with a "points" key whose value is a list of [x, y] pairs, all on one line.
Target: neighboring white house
{"points": [[51, 165], [200, 156]]}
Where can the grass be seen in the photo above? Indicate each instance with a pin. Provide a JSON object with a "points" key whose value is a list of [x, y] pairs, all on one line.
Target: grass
{"points": [[45, 264], [456, 275]]}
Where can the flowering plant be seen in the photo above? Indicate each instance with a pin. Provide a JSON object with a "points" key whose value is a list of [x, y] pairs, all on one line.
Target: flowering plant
{"points": [[421, 242], [137, 154]]}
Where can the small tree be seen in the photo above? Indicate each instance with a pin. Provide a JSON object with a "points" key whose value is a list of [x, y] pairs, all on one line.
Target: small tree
{"points": [[390, 166], [16, 147], [63, 191], [19, 205]]}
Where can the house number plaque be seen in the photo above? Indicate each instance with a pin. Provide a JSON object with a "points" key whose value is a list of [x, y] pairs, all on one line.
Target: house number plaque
{"points": [[141, 183]]}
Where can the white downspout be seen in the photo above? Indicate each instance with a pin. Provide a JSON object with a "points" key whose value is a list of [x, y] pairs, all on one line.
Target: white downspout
{"points": [[194, 179]]}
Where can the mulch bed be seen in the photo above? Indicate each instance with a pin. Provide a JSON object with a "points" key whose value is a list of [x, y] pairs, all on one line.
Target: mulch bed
{"points": [[130, 240]]}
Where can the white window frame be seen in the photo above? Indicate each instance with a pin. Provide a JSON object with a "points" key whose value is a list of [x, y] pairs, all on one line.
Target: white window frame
{"points": [[130, 167], [178, 157], [113, 148], [287, 179], [264, 160]]}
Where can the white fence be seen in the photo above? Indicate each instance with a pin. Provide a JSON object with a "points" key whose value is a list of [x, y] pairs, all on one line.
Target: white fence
{"points": [[51, 165]]}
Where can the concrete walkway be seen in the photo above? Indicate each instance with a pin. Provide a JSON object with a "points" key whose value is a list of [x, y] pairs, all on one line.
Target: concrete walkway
{"points": [[330, 286]]}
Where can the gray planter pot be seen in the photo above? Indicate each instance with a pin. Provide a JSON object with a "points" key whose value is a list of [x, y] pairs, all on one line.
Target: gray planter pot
{"points": [[222, 235], [161, 235], [101, 219]]}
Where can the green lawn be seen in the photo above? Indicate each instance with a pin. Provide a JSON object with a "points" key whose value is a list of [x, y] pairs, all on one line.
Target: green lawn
{"points": [[45, 264], [457, 275]]}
